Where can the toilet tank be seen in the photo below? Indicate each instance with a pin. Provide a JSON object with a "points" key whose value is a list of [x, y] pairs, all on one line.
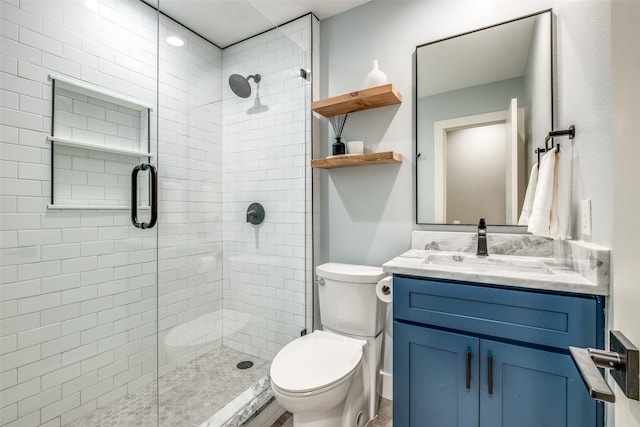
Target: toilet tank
{"points": [[347, 298]]}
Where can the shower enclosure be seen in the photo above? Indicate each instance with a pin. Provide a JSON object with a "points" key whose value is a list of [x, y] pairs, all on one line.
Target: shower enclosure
{"points": [[107, 323]]}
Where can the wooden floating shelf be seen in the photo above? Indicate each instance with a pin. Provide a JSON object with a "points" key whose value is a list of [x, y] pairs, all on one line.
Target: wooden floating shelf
{"points": [[357, 160], [379, 96]]}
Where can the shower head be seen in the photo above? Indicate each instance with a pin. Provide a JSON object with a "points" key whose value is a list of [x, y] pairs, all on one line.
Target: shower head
{"points": [[240, 85]]}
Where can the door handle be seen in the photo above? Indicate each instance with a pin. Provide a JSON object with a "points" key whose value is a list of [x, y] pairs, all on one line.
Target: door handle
{"points": [[468, 373], [490, 374], [153, 176], [623, 360]]}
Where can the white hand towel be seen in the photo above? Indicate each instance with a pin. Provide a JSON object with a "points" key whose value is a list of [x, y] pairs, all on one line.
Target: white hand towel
{"points": [[527, 206], [560, 217], [541, 212]]}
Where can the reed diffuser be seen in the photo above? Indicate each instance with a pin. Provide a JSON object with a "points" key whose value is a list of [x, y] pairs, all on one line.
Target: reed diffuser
{"points": [[337, 122]]}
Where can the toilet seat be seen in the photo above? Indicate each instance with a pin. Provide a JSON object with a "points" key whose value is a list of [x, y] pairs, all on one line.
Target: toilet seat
{"points": [[315, 362]]}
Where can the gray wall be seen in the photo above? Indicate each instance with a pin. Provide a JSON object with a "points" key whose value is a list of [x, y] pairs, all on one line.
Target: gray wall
{"points": [[368, 212], [535, 82]]}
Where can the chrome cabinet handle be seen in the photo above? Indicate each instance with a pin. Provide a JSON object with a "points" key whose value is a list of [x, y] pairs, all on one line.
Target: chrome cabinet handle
{"points": [[153, 174]]}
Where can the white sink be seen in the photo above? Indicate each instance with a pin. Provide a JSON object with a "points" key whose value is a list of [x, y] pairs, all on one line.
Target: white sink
{"points": [[521, 271], [496, 263]]}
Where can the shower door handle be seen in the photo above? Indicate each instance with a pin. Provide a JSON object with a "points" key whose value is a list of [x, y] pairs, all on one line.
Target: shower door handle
{"points": [[153, 176]]}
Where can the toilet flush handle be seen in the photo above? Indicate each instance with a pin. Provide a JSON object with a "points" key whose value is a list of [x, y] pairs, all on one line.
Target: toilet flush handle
{"points": [[320, 281]]}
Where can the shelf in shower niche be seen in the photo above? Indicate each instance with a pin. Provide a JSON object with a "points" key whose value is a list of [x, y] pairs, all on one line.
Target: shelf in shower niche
{"points": [[94, 207], [98, 147], [379, 96], [87, 89], [357, 160]]}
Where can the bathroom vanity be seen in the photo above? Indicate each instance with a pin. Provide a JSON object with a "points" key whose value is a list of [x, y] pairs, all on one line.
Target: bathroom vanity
{"points": [[484, 340]]}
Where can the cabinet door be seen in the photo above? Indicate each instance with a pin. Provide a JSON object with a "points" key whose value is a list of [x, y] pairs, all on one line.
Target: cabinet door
{"points": [[531, 388], [430, 386]]}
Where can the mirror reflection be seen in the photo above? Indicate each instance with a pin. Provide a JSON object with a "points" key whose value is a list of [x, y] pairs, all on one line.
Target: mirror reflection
{"points": [[484, 99]]}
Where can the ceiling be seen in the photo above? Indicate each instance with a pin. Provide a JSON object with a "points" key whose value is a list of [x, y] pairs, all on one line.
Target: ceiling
{"points": [[225, 22]]}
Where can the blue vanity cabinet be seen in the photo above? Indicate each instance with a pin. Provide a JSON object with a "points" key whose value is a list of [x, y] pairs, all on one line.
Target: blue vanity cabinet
{"points": [[479, 355], [531, 388], [430, 371]]}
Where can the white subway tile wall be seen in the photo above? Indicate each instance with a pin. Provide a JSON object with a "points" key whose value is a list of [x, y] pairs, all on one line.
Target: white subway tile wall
{"points": [[77, 288], [91, 306]]}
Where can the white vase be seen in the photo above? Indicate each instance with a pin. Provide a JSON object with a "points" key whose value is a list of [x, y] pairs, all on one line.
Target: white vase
{"points": [[375, 77]]}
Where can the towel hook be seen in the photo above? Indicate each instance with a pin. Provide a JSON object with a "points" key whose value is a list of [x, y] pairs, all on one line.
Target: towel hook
{"points": [[570, 132]]}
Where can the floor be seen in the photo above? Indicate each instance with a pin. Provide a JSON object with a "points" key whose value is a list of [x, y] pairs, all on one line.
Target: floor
{"points": [[383, 419], [188, 395]]}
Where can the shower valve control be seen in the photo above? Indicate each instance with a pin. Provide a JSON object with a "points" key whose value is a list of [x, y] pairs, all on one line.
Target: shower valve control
{"points": [[255, 213]]}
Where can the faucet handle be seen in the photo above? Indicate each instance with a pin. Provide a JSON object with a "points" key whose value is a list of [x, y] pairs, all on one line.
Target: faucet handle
{"points": [[482, 238]]}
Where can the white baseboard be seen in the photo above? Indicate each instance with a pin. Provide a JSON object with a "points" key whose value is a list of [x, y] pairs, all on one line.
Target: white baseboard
{"points": [[387, 385]]}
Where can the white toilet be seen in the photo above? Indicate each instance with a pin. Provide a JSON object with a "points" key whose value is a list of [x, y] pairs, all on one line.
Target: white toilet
{"points": [[330, 378]]}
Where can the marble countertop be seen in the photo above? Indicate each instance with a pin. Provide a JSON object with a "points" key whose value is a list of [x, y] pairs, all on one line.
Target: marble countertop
{"points": [[531, 272]]}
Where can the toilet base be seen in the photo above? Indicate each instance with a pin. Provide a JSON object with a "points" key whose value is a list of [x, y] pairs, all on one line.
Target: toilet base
{"points": [[352, 412], [372, 361]]}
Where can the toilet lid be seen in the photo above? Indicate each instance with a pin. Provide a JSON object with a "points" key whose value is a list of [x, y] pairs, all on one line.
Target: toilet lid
{"points": [[350, 272], [315, 361]]}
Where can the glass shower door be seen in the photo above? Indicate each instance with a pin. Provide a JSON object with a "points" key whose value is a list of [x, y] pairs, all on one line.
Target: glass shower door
{"points": [[231, 293], [78, 281], [190, 234]]}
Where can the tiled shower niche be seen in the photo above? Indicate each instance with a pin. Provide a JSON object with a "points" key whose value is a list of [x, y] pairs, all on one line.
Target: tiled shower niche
{"points": [[97, 137]]}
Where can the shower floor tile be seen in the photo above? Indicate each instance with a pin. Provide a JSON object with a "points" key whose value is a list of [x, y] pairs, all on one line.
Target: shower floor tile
{"points": [[188, 396]]}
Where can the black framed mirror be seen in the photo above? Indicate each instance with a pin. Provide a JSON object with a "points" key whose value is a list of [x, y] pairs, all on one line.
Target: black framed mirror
{"points": [[484, 100]]}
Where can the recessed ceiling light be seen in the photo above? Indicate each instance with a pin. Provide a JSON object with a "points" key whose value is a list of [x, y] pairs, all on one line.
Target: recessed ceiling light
{"points": [[175, 41]]}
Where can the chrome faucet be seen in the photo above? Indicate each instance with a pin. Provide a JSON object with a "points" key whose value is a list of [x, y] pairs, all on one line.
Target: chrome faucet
{"points": [[482, 238]]}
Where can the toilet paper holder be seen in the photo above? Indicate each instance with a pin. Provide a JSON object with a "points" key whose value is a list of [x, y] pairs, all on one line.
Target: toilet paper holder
{"points": [[384, 289]]}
